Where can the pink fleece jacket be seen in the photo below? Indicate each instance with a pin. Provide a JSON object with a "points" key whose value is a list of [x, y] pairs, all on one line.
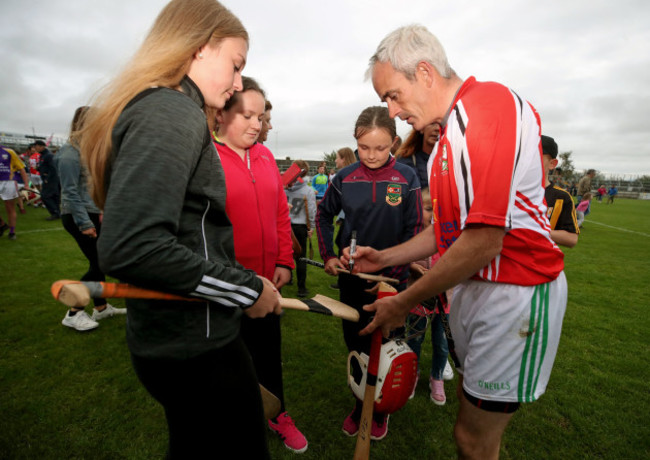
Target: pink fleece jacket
{"points": [[257, 208]]}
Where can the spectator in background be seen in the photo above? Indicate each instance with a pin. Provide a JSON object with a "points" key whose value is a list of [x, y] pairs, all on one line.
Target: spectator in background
{"points": [[82, 219], [302, 199], [584, 208], [344, 157], [602, 191], [612, 192], [560, 208], [584, 184], [320, 181], [266, 122], [416, 150], [10, 164], [34, 175], [51, 189]]}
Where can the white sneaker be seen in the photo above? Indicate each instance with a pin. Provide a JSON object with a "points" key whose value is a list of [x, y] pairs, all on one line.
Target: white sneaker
{"points": [[107, 312], [448, 373], [81, 321]]}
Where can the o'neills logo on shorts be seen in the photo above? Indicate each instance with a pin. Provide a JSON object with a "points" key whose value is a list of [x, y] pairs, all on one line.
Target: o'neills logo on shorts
{"points": [[394, 194], [493, 386]]}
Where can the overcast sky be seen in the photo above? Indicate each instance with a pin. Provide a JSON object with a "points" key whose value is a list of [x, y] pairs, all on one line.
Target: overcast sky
{"points": [[584, 64]]}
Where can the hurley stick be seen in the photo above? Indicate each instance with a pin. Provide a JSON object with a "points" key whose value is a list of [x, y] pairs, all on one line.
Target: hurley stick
{"points": [[78, 294], [362, 449], [270, 402], [365, 276]]}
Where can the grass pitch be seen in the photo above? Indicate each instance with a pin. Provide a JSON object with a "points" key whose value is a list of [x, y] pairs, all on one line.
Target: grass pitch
{"points": [[65, 394]]}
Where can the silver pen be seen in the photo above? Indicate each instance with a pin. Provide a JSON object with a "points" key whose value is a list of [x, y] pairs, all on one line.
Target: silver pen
{"points": [[353, 248]]}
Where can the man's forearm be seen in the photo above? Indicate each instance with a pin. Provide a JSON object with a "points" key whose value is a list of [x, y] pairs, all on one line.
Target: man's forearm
{"points": [[419, 247], [474, 249]]}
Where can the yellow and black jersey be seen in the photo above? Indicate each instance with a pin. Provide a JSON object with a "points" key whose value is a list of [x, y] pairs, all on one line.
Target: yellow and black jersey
{"points": [[561, 210]]}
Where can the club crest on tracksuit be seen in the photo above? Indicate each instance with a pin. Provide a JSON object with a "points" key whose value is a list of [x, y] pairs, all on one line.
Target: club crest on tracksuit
{"points": [[394, 194]]}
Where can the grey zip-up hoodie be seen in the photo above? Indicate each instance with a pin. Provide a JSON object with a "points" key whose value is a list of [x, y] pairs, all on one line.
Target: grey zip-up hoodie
{"points": [[165, 227]]}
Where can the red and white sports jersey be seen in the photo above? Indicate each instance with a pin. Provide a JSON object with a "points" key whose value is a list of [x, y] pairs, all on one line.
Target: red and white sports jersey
{"points": [[488, 170], [34, 161]]}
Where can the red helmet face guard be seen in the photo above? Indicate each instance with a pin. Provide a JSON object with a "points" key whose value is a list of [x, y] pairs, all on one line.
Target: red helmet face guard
{"points": [[396, 377]]}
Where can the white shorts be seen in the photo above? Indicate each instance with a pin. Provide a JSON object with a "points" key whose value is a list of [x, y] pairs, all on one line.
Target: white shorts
{"points": [[36, 179], [8, 190], [506, 337]]}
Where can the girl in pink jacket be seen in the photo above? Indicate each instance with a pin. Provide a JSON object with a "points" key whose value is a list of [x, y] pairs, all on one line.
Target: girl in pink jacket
{"points": [[257, 208]]}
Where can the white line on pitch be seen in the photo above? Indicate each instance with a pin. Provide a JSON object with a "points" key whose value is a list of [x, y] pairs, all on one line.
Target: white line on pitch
{"points": [[42, 230], [617, 228]]}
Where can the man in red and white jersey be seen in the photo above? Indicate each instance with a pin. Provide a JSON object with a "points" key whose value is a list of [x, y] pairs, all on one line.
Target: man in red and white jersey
{"points": [[490, 227]]}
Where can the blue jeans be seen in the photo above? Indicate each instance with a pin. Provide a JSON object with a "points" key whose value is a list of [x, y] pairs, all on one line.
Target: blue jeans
{"points": [[417, 323]]}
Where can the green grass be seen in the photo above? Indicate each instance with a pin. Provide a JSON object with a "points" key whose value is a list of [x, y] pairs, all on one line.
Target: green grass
{"points": [[65, 394]]}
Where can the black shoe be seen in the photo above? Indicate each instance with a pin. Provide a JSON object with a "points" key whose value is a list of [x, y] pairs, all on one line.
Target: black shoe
{"points": [[303, 292], [53, 218], [12, 236], [334, 286], [3, 229]]}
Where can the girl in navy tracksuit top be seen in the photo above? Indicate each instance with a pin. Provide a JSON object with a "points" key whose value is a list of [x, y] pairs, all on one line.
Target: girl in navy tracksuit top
{"points": [[382, 203]]}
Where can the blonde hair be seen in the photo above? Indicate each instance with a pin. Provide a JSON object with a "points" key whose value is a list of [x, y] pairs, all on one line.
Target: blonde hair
{"points": [[77, 124], [347, 155], [181, 28]]}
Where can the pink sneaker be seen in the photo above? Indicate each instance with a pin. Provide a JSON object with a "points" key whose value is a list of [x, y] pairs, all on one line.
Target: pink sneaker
{"points": [[285, 428], [350, 425], [379, 430], [437, 391]]}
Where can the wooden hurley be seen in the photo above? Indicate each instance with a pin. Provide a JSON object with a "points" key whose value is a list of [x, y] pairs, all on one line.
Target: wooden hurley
{"points": [[365, 276], [78, 294], [362, 448]]}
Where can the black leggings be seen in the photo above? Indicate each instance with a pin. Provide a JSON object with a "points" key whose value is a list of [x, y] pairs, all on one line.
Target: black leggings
{"points": [[263, 338], [88, 246], [212, 403]]}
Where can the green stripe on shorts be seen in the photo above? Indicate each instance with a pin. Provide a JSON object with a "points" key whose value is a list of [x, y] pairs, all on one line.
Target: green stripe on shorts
{"points": [[530, 364]]}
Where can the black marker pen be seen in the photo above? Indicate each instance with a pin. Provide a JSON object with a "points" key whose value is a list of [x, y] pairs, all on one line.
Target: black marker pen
{"points": [[353, 248]]}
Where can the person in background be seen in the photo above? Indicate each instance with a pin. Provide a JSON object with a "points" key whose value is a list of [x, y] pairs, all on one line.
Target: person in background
{"points": [[416, 150], [302, 199], [344, 157], [612, 192], [257, 207], [51, 188], [266, 122], [9, 165], [584, 184], [35, 176], [320, 181], [82, 220], [602, 191], [158, 178], [417, 321], [560, 210], [584, 208]]}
